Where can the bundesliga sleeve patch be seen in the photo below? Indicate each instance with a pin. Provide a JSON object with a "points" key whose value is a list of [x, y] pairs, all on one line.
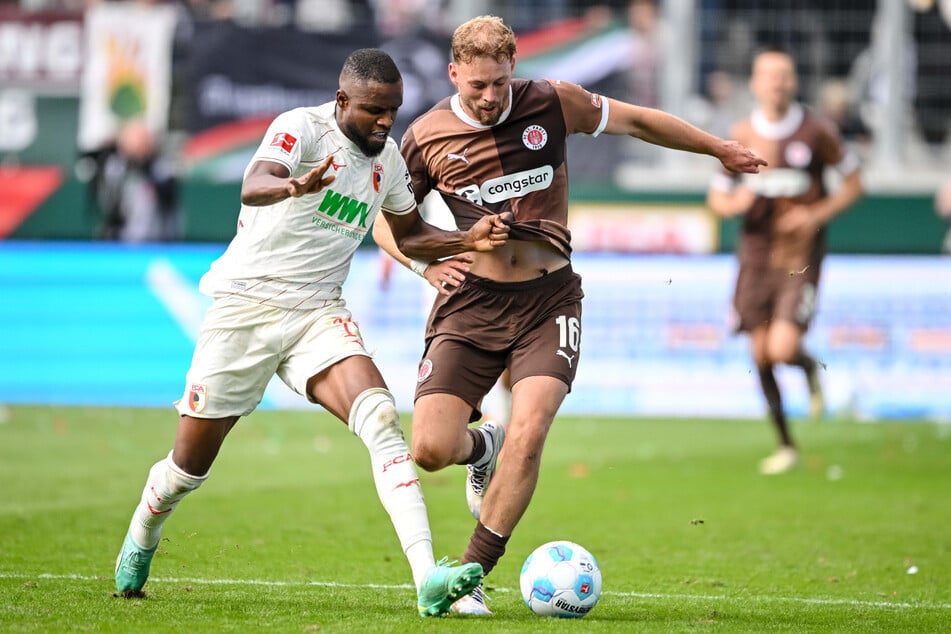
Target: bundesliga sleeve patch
{"points": [[284, 141]]}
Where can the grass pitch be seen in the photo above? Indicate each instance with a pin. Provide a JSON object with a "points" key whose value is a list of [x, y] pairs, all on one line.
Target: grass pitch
{"points": [[287, 535]]}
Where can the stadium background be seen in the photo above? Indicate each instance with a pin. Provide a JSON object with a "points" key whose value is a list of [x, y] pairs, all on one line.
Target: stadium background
{"points": [[89, 322]]}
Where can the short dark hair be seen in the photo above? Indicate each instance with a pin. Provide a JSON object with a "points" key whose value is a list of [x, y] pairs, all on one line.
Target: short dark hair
{"points": [[371, 64]]}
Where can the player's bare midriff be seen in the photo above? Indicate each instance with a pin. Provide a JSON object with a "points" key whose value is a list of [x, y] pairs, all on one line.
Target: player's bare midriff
{"points": [[518, 261]]}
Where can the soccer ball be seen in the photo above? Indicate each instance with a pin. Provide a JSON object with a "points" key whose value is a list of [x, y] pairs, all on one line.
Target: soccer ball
{"points": [[560, 578]]}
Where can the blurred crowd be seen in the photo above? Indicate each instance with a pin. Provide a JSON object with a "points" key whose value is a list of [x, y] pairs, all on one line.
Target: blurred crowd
{"points": [[835, 42]]}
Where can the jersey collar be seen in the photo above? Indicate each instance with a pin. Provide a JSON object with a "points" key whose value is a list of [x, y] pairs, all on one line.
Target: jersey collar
{"points": [[329, 111], [781, 129], [456, 105]]}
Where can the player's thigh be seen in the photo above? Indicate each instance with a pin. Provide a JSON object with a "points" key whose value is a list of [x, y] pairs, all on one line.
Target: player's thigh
{"points": [[235, 357], [785, 338], [337, 386], [319, 340], [460, 369]]}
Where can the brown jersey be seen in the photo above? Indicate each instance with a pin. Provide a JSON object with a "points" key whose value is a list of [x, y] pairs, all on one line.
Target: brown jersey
{"points": [[517, 165], [798, 149]]}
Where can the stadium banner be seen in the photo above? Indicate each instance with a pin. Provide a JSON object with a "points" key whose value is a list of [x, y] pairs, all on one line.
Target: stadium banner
{"points": [[231, 80], [41, 60], [655, 342], [41, 51], [128, 71], [643, 228]]}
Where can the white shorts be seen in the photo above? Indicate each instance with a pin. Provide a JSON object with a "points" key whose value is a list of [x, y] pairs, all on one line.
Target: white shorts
{"points": [[241, 346]]}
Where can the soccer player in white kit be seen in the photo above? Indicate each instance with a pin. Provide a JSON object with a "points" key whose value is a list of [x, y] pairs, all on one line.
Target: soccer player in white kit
{"points": [[309, 196]]}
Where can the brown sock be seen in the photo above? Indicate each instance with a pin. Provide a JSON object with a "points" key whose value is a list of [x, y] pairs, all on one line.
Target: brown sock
{"points": [[805, 361], [478, 447], [774, 401], [485, 547]]}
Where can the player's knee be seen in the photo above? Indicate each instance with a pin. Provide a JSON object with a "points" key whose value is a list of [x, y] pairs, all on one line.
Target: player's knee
{"points": [[781, 352], [430, 456], [373, 417], [171, 481]]}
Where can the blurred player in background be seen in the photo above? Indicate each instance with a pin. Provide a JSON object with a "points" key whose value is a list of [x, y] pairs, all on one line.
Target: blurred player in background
{"points": [[499, 145], [783, 239], [942, 207], [309, 196]]}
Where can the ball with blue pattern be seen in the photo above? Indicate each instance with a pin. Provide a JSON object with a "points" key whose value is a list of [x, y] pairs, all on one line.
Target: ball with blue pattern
{"points": [[560, 578]]}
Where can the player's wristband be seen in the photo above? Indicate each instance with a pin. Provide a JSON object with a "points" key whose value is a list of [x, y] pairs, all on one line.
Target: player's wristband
{"points": [[419, 267]]}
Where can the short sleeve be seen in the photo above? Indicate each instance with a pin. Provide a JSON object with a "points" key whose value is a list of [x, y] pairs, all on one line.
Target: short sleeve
{"points": [[584, 112], [399, 193], [282, 142], [418, 175]]}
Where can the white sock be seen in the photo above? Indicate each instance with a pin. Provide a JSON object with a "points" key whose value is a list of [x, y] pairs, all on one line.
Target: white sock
{"points": [[504, 406], [166, 486], [375, 420]]}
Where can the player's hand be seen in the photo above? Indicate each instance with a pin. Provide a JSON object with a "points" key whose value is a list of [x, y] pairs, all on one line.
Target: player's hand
{"points": [[311, 182], [738, 158], [446, 275], [491, 232]]}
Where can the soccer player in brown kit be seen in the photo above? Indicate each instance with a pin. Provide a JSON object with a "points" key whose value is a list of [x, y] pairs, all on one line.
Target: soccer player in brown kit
{"points": [[783, 241], [498, 146]]}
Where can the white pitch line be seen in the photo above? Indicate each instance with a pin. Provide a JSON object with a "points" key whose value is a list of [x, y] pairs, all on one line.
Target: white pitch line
{"points": [[406, 586]]}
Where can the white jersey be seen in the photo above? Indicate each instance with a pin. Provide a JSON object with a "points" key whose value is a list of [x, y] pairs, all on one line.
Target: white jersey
{"points": [[297, 253]]}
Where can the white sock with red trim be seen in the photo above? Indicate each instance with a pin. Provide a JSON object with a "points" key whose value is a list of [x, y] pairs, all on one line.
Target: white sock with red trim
{"points": [[375, 420], [166, 486]]}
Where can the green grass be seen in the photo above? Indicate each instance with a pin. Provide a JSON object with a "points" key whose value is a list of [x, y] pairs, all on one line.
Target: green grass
{"points": [[287, 535]]}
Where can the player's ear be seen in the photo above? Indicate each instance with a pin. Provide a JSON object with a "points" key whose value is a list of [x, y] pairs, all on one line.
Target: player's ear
{"points": [[342, 98]]}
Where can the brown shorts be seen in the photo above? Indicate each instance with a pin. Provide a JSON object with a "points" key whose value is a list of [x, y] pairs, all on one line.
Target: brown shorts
{"points": [[764, 294], [533, 328]]}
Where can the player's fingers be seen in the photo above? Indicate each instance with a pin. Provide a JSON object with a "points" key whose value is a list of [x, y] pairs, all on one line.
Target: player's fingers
{"points": [[458, 265], [327, 162]]}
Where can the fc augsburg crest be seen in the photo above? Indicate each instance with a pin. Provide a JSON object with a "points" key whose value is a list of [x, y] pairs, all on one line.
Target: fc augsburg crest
{"points": [[197, 397]]}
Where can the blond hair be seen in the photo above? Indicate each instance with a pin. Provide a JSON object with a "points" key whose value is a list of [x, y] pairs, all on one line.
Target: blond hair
{"points": [[484, 36]]}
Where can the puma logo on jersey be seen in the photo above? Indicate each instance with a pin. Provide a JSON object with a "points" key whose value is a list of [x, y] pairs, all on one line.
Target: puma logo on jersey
{"points": [[564, 354], [458, 157]]}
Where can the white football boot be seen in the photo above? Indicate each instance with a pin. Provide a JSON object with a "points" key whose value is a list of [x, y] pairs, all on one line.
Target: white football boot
{"points": [[477, 480], [783, 459], [473, 604]]}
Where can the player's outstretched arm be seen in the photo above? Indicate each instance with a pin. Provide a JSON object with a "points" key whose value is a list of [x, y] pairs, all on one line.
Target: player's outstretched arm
{"points": [[268, 182], [664, 129], [418, 239], [730, 202]]}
